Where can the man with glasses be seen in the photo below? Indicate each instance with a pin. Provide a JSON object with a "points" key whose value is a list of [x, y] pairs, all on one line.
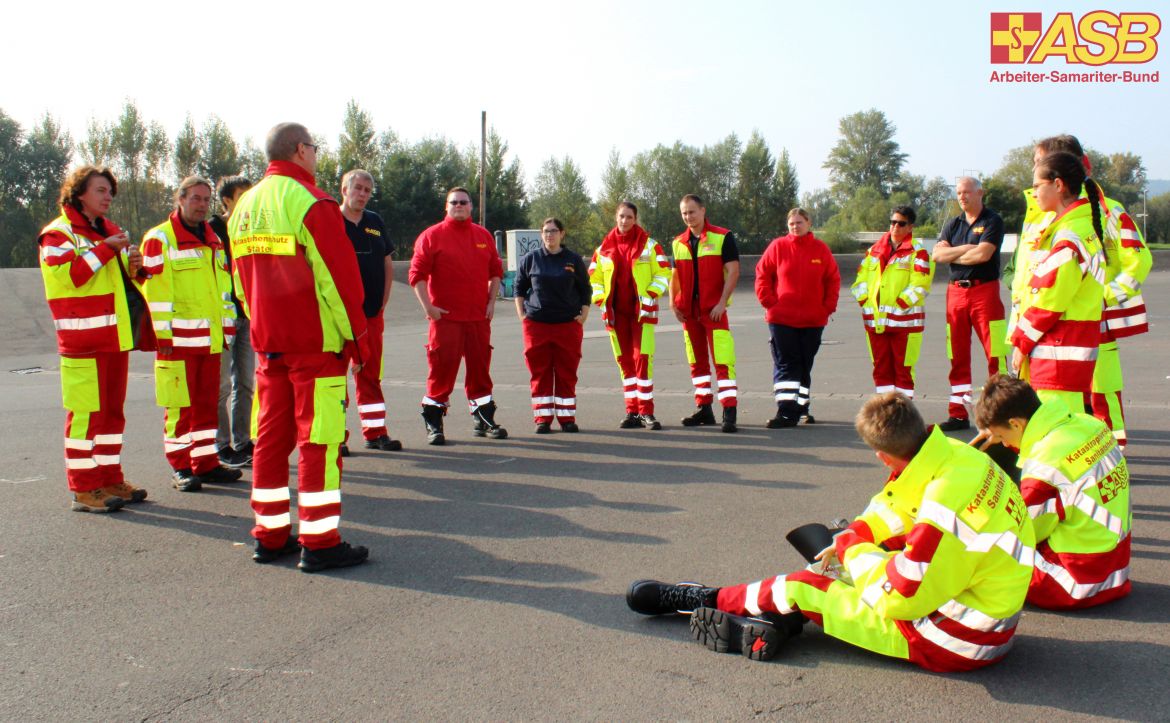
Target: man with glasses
{"points": [[970, 243], [297, 276], [455, 273]]}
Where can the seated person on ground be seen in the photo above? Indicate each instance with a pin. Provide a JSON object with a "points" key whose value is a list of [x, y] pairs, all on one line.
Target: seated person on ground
{"points": [[1076, 485], [934, 571]]}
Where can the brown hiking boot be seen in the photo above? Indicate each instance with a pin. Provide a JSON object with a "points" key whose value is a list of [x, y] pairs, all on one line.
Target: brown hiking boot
{"points": [[126, 491], [96, 501]]}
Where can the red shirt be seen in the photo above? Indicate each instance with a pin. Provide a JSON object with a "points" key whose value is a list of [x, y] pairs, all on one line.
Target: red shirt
{"points": [[457, 259], [798, 282]]}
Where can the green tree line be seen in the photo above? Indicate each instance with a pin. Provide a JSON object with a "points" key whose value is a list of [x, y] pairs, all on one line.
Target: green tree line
{"points": [[747, 187]]}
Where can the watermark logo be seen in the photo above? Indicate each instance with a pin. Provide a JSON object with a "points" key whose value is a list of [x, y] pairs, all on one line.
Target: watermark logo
{"points": [[1081, 45], [1014, 35]]}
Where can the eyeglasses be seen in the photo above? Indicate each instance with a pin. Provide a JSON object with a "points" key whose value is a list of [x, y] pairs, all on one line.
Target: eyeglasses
{"points": [[899, 224], [460, 202], [550, 231], [1036, 186], [314, 146]]}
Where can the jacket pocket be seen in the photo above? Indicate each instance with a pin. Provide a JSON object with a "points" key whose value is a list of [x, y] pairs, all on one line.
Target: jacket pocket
{"points": [[328, 411]]}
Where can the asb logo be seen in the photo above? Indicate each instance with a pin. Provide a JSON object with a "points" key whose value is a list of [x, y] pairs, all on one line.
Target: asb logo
{"points": [[1096, 38]]}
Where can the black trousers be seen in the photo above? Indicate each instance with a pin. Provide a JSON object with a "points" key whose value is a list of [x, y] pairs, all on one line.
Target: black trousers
{"points": [[793, 353]]}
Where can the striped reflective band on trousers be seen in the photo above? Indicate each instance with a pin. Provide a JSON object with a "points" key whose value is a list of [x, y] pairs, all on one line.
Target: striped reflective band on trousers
{"points": [[372, 415]]}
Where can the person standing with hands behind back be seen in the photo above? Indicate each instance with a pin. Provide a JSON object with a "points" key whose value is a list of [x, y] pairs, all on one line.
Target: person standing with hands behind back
{"points": [[552, 300]]}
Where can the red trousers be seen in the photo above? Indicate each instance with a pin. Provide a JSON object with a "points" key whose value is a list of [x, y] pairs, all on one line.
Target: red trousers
{"points": [[708, 341], [977, 308], [368, 383], [187, 385], [93, 390], [553, 353], [894, 353], [633, 348], [449, 343], [301, 400]]}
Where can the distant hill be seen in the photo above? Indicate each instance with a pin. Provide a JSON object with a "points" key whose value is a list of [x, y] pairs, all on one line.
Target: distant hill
{"points": [[1158, 186]]}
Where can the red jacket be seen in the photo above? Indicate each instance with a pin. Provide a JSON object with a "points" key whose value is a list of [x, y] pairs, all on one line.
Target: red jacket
{"points": [[457, 259], [281, 291], [710, 268], [798, 282]]}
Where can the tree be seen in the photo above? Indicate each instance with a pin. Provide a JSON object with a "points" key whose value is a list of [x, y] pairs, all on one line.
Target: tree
{"points": [[560, 190], [143, 197], [1157, 223], [413, 182], [97, 148], [866, 155], [718, 167], [658, 179], [615, 187], [1122, 175], [47, 151], [506, 197], [252, 161], [219, 156], [866, 210], [786, 187], [820, 205], [758, 208], [357, 146], [186, 150]]}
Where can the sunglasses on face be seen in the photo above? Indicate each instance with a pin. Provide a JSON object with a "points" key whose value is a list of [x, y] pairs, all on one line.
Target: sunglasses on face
{"points": [[460, 202], [899, 224]]}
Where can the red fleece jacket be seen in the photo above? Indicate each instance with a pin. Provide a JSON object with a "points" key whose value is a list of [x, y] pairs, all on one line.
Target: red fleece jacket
{"points": [[457, 259], [798, 282]]}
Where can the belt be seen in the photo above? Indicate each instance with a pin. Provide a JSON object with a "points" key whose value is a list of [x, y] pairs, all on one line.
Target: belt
{"points": [[968, 283]]}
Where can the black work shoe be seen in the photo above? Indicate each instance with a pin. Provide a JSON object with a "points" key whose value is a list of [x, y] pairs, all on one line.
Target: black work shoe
{"points": [[184, 481], [570, 427], [340, 555], [808, 419], [235, 459], [220, 476], [650, 597], [703, 416], [226, 455], [780, 422], [649, 422], [544, 428], [433, 420], [631, 421], [955, 424], [264, 555], [384, 444], [343, 450], [758, 638], [485, 422], [729, 418]]}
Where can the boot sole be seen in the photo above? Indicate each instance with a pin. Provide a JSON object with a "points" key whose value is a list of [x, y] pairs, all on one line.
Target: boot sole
{"points": [[79, 507], [323, 566], [725, 632]]}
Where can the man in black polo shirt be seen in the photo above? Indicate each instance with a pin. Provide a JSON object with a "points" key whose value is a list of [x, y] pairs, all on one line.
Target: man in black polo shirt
{"points": [[368, 235], [970, 243]]}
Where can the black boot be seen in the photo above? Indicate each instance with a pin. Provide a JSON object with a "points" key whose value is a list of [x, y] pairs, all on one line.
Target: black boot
{"points": [[433, 419], [703, 416], [781, 419], [631, 421], [757, 638], [729, 415], [651, 597], [485, 422]]}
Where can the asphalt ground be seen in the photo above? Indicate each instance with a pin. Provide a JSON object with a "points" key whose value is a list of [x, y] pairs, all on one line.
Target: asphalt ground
{"points": [[498, 569]]}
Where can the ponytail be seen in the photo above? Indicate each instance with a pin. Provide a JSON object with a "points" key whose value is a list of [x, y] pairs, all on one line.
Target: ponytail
{"points": [[1093, 191]]}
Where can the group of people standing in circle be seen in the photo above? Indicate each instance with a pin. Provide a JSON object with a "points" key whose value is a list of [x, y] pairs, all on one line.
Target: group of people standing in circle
{"points": [[797, 282]]}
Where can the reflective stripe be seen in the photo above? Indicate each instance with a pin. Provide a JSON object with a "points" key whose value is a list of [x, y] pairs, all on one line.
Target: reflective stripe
{"points": [[1049, 507], [785, 385], [1127, 280], [94, 262], [889, 517], [861, 564], [567, 412], [153, 262], [565, 401], [107, 460], [957, 388], [751, 600], [645, 395], [205, 450], [427, 401], [107, 439], [726, 383], [190, 341], [84, 445], [89, 322], [169, 447], [910, 569], [726, 393], [319, 527], [48, 252], [883, 389], [84, 463], [1081, 590], [908, 392], [369, 423], [270, 494], [630, 394], [705, 379], [319, 499], [946, 520], [191, 323], [971, 651], [780, 594], [645, 382], [1065, 353], [162, 306], [976, 620], [364, 408], [186, 254], [162, 326], [1053, 262], [479, 402], [275, 522], [538, 412], [542, 400]]}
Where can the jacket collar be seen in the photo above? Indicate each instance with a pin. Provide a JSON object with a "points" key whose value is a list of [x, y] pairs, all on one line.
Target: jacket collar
{"points": [[923, 468], [290, 169], [1049, 416], [186, 238]]}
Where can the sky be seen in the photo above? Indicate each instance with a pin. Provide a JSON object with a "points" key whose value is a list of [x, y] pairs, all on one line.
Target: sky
{"points": [[579, 79]]}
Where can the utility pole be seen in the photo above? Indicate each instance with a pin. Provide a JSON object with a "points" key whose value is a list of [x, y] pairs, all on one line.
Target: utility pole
{"points": [[483, 169]]}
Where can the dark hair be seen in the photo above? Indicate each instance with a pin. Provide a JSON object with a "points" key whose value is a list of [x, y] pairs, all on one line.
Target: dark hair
{"points": [[1004, 398], [693, 197], [891, 423], [76, 182], [227, 187], [1070, 169], [630, 205], [284, 139], [554, 221], [459, 189], [1066, 142], [905, 211]]}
